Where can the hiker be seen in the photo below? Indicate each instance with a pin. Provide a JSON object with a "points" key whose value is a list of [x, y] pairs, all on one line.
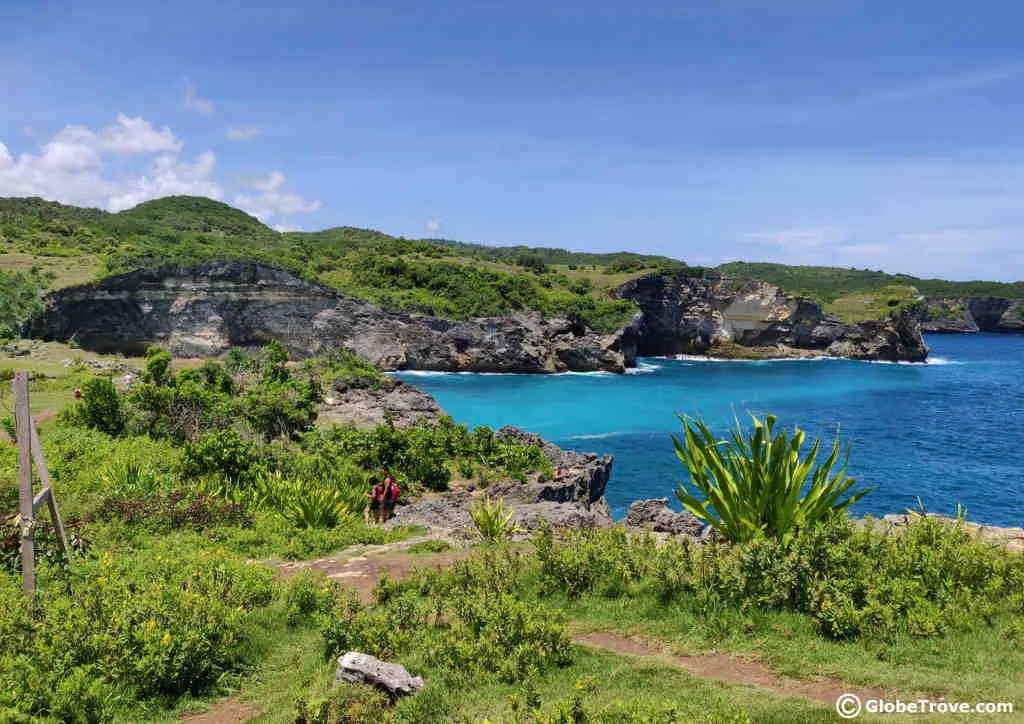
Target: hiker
{"points": [[382, 499], [559, 474], [389, 495], [78, 393], [128, 381]]}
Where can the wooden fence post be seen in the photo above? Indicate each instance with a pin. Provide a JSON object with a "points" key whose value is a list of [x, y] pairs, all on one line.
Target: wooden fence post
{"points": [[23, 423], [29, 504]]}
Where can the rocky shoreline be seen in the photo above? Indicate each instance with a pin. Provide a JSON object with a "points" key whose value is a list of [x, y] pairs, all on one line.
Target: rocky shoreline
{"points": [[680, 314], [959, 315], [206, 310], [576, 502]]}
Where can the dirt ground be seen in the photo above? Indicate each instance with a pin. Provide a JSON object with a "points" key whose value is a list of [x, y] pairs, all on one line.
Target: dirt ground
{"points": [[730, 669]]}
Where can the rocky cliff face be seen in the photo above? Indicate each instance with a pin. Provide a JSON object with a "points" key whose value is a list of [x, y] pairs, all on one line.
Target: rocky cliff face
{"points": [[683, 315], [972, 314], [207, 310]]}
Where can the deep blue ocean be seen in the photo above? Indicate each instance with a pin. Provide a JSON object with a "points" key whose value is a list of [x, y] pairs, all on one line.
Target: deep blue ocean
{"points": [[948, 431]]}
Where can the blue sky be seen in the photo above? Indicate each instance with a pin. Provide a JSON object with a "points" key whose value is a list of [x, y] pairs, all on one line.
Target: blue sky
{"points": [[871, 134]]}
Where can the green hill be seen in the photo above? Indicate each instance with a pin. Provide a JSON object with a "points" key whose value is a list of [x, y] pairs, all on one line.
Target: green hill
{"points": [[827, 284], [46, 245]]}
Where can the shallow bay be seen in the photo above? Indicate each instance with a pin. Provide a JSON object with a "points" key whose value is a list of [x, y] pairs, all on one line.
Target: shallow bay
{"points": [[948, 431]]}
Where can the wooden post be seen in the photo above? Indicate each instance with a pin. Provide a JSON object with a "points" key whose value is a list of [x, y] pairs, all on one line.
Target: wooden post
{"points": [[29, 504], [23, 422], [51, 497]]}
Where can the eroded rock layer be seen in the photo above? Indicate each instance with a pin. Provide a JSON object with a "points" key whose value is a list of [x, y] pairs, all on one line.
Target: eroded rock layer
{"points": [[685, 315], [207, 310], [972, 314]]}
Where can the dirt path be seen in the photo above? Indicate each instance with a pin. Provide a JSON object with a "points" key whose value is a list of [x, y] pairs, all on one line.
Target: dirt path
{"points": [[361, 567], [228, 711], [731, 670]]}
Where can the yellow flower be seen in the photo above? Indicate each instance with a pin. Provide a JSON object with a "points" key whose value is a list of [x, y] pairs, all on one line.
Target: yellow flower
{"points": [[826, 603], [101, 579], [150, 625], [166, 639]]}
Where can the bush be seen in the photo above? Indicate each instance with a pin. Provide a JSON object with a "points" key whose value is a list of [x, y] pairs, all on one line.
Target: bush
{"points": [[223, 454], [101, 408], [487, 629], [158, 366], [931, 579], [148, 626], [162, 512]]}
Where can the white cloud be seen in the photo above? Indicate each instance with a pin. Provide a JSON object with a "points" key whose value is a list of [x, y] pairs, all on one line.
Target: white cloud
{"points": [[135, 135], [197, 104], [800, 240], [273, 201], [434, 225], [243, 133], [947, 253], [70, 167], [170, 177]]}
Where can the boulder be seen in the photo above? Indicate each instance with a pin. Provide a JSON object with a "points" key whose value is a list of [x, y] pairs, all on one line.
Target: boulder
{"points": [[358, 668], [656, 514], [362, 405]]}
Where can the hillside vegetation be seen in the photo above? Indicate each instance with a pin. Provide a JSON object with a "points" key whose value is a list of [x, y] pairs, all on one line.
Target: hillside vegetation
{"points": [[50, 245], [446, 279], [827, 284]]}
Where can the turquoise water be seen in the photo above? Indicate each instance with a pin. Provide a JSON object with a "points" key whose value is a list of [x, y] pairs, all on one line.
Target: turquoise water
{"points": [[948, 431]]}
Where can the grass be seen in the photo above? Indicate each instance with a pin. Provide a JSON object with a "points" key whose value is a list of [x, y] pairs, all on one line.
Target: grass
{"points": [[873, 303], [61, 271], [978, 664], [622, 681]]}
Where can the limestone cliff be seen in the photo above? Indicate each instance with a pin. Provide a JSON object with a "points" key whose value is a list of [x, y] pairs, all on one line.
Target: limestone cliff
{"points": [[684, 315], [206, 310], [972, 314]]}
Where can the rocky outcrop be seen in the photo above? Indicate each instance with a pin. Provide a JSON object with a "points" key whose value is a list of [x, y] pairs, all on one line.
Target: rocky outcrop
{"points": [[575, 500], [686, 315], [365, 403], [204, 311], [656, 515], [393, 679], [971, 314]]}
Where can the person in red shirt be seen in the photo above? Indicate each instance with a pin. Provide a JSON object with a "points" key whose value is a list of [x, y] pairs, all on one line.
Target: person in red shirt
{"points": [[382, 497]]}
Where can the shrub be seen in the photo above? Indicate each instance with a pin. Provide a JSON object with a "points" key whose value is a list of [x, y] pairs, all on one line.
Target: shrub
{"points": [[160, 512], [101, 407], [148, 626], [346, 704], [158, 366], [755, 485], [931, 579], [222, 453]]}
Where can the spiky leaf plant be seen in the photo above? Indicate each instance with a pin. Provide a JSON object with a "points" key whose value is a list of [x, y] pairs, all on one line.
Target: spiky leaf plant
{"points": [[758, 484]]}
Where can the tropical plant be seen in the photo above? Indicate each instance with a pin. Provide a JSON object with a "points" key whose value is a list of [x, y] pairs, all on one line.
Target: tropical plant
{"points": [[493, 522], [759, 485]]}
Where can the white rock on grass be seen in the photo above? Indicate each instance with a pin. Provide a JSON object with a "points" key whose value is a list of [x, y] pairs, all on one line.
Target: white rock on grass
{"points": [[358, 668]]}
